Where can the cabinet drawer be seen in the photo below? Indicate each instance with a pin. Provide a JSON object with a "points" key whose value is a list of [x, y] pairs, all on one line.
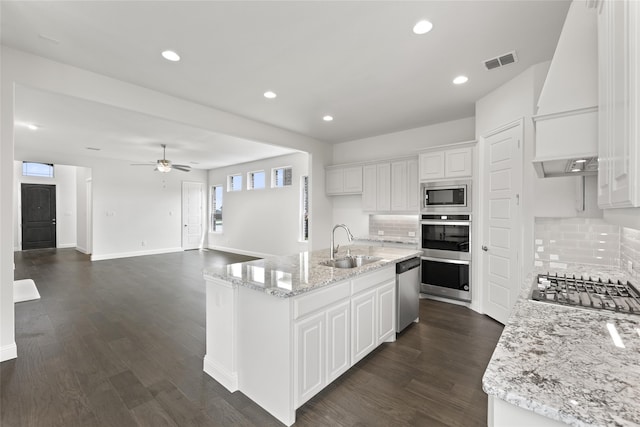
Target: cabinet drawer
{"points": [[372, 279], [313, 301]]}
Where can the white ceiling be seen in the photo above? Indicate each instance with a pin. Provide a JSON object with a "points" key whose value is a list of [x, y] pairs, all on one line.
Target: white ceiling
{"points": [[356, 60]]}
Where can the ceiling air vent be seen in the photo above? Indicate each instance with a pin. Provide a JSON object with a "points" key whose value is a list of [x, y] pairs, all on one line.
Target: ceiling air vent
{"points": [[501, 61]]}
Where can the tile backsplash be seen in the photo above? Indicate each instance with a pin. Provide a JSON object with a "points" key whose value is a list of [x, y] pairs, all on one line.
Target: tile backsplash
{"points": [[577, 240], [630, 250], [394, 226]]}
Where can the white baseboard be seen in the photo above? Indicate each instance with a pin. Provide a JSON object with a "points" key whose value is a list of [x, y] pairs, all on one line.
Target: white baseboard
{"points": [[83, 250], [65, 245], [101, 257], [240, 251], [228, 379], [8, 352], [17, 249]]}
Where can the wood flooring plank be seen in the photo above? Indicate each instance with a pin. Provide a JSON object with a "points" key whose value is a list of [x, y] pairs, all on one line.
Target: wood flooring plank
{"points": [[130, 389], [109, 407], [151, 414]]}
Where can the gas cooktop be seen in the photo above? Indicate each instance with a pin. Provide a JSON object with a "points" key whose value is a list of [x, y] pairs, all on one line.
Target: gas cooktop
{"points": [[587, 293]]}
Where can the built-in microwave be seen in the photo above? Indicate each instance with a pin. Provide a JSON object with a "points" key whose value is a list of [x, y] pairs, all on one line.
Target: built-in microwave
{"points": [[444, 197]]}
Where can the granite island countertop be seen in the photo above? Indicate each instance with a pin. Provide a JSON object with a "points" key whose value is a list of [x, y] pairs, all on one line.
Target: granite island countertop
{"points": [[562, 363], [291, 275]]}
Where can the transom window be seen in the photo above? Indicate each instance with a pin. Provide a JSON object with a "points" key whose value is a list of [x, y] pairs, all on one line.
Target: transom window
{"points": [[234, 182], [281, 177], [37, 169], [255, 180]]}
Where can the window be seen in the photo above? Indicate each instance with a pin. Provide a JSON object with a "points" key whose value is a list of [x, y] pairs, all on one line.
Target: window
{"points": [[255, 180], [216, 209], [234, 182], [304, 211], [37, 169], [281, 177]]}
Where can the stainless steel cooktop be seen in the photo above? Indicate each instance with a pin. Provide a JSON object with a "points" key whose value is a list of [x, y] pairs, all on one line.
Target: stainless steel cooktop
{"points": [[587, 293]]}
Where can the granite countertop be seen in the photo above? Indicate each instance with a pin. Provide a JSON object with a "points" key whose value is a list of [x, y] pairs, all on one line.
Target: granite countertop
{"points": [[287, 276], [561, 362]]}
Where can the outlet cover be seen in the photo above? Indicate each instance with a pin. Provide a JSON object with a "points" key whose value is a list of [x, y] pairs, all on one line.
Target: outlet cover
{"points": [[412, 234], [630, 266], [380, 232]]}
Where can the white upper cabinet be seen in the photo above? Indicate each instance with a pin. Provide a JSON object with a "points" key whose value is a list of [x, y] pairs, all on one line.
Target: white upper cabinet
{"points": [[343, 180], [619, 112], [391, 187], [446, 163]]}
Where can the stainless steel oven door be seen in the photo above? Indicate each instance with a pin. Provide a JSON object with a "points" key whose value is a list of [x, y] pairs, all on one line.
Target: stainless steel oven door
{"points": [[449, 239], [446, 278]]}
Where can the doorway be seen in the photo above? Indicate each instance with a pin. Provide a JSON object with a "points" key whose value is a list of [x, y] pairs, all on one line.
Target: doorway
{"points": [[192, 215], [38, 216], [501, 233]]}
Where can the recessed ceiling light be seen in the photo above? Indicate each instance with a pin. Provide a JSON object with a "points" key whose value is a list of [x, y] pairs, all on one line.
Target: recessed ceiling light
{"points": [[422, 27], [460, 80], [327, 118], [170, 55], [269, 94]]}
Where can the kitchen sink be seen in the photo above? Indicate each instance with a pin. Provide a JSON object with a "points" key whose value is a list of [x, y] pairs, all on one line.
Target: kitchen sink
{"points": [[350, 261]]}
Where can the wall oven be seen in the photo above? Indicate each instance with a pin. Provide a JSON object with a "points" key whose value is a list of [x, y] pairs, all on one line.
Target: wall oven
{"points": [[446, 255], [446, 197]]}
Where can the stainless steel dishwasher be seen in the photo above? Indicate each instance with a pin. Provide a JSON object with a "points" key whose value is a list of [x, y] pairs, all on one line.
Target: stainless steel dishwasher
{"points": [[407, 292]]}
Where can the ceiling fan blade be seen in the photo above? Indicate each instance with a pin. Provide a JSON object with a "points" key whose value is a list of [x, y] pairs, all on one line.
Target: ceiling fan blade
{"points": [[182, 168], [142, 164]]}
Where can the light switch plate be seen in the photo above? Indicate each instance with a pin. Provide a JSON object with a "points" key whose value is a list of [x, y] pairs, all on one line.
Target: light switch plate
{"points": [[380, 232]]}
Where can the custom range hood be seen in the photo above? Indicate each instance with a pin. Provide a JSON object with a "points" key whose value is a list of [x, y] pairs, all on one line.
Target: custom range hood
{"points": [[566, 124]]}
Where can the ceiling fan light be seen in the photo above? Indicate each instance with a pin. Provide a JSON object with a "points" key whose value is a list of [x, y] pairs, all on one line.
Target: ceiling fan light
{"points": [[163, 166]]}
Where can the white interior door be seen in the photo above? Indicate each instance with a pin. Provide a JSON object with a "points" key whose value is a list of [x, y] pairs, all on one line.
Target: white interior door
{"points": [[501, 224], [192, 215]]}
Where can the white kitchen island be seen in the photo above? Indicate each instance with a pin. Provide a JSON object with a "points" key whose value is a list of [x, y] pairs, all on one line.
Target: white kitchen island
{"points": [[281, 329]]}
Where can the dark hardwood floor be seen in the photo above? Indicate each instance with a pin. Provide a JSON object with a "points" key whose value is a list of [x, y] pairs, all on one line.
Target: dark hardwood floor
{"points": [[121, 343]]}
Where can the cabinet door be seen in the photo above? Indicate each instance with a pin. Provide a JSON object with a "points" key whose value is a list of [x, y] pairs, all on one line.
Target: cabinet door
{"points": [[334, 182], [386, 313], [432, 165], [399, 186], [338, 338], [363, 325], [310, 351], [457, 163], [384, 187], [413, 186], [353, 179], [369, 188]]}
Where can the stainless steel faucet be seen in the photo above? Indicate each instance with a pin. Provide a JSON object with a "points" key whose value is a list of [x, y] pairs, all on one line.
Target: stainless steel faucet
{"points": [[333, 250]]}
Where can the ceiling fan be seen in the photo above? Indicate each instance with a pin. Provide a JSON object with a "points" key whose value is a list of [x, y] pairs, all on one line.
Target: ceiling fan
{"points": [[163, 165]]}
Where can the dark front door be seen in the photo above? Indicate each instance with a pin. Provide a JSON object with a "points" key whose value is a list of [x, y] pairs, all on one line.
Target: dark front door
{"points": [[38, 216]]}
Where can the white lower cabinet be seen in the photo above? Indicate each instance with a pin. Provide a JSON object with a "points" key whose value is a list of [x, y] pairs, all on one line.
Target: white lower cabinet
{"points": [[363, 319], [310, 351], [386, 307], [338, 339]]}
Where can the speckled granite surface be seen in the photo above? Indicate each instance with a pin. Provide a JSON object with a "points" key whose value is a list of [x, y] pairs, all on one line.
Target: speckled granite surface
{"points": [[561, 362], [291, 275]]}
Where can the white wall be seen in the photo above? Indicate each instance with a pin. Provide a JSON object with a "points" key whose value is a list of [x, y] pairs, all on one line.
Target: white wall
{"points": [[65, 181], [137, 211], [261, 222], [348, 209], [405, 142], [34, 71]]}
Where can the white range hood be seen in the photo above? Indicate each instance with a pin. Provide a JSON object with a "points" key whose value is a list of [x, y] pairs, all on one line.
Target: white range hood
{"points": [[566, 124]]}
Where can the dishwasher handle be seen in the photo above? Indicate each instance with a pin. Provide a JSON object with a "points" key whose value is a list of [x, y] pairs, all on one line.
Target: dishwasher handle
{"points": [[407, 265]]}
